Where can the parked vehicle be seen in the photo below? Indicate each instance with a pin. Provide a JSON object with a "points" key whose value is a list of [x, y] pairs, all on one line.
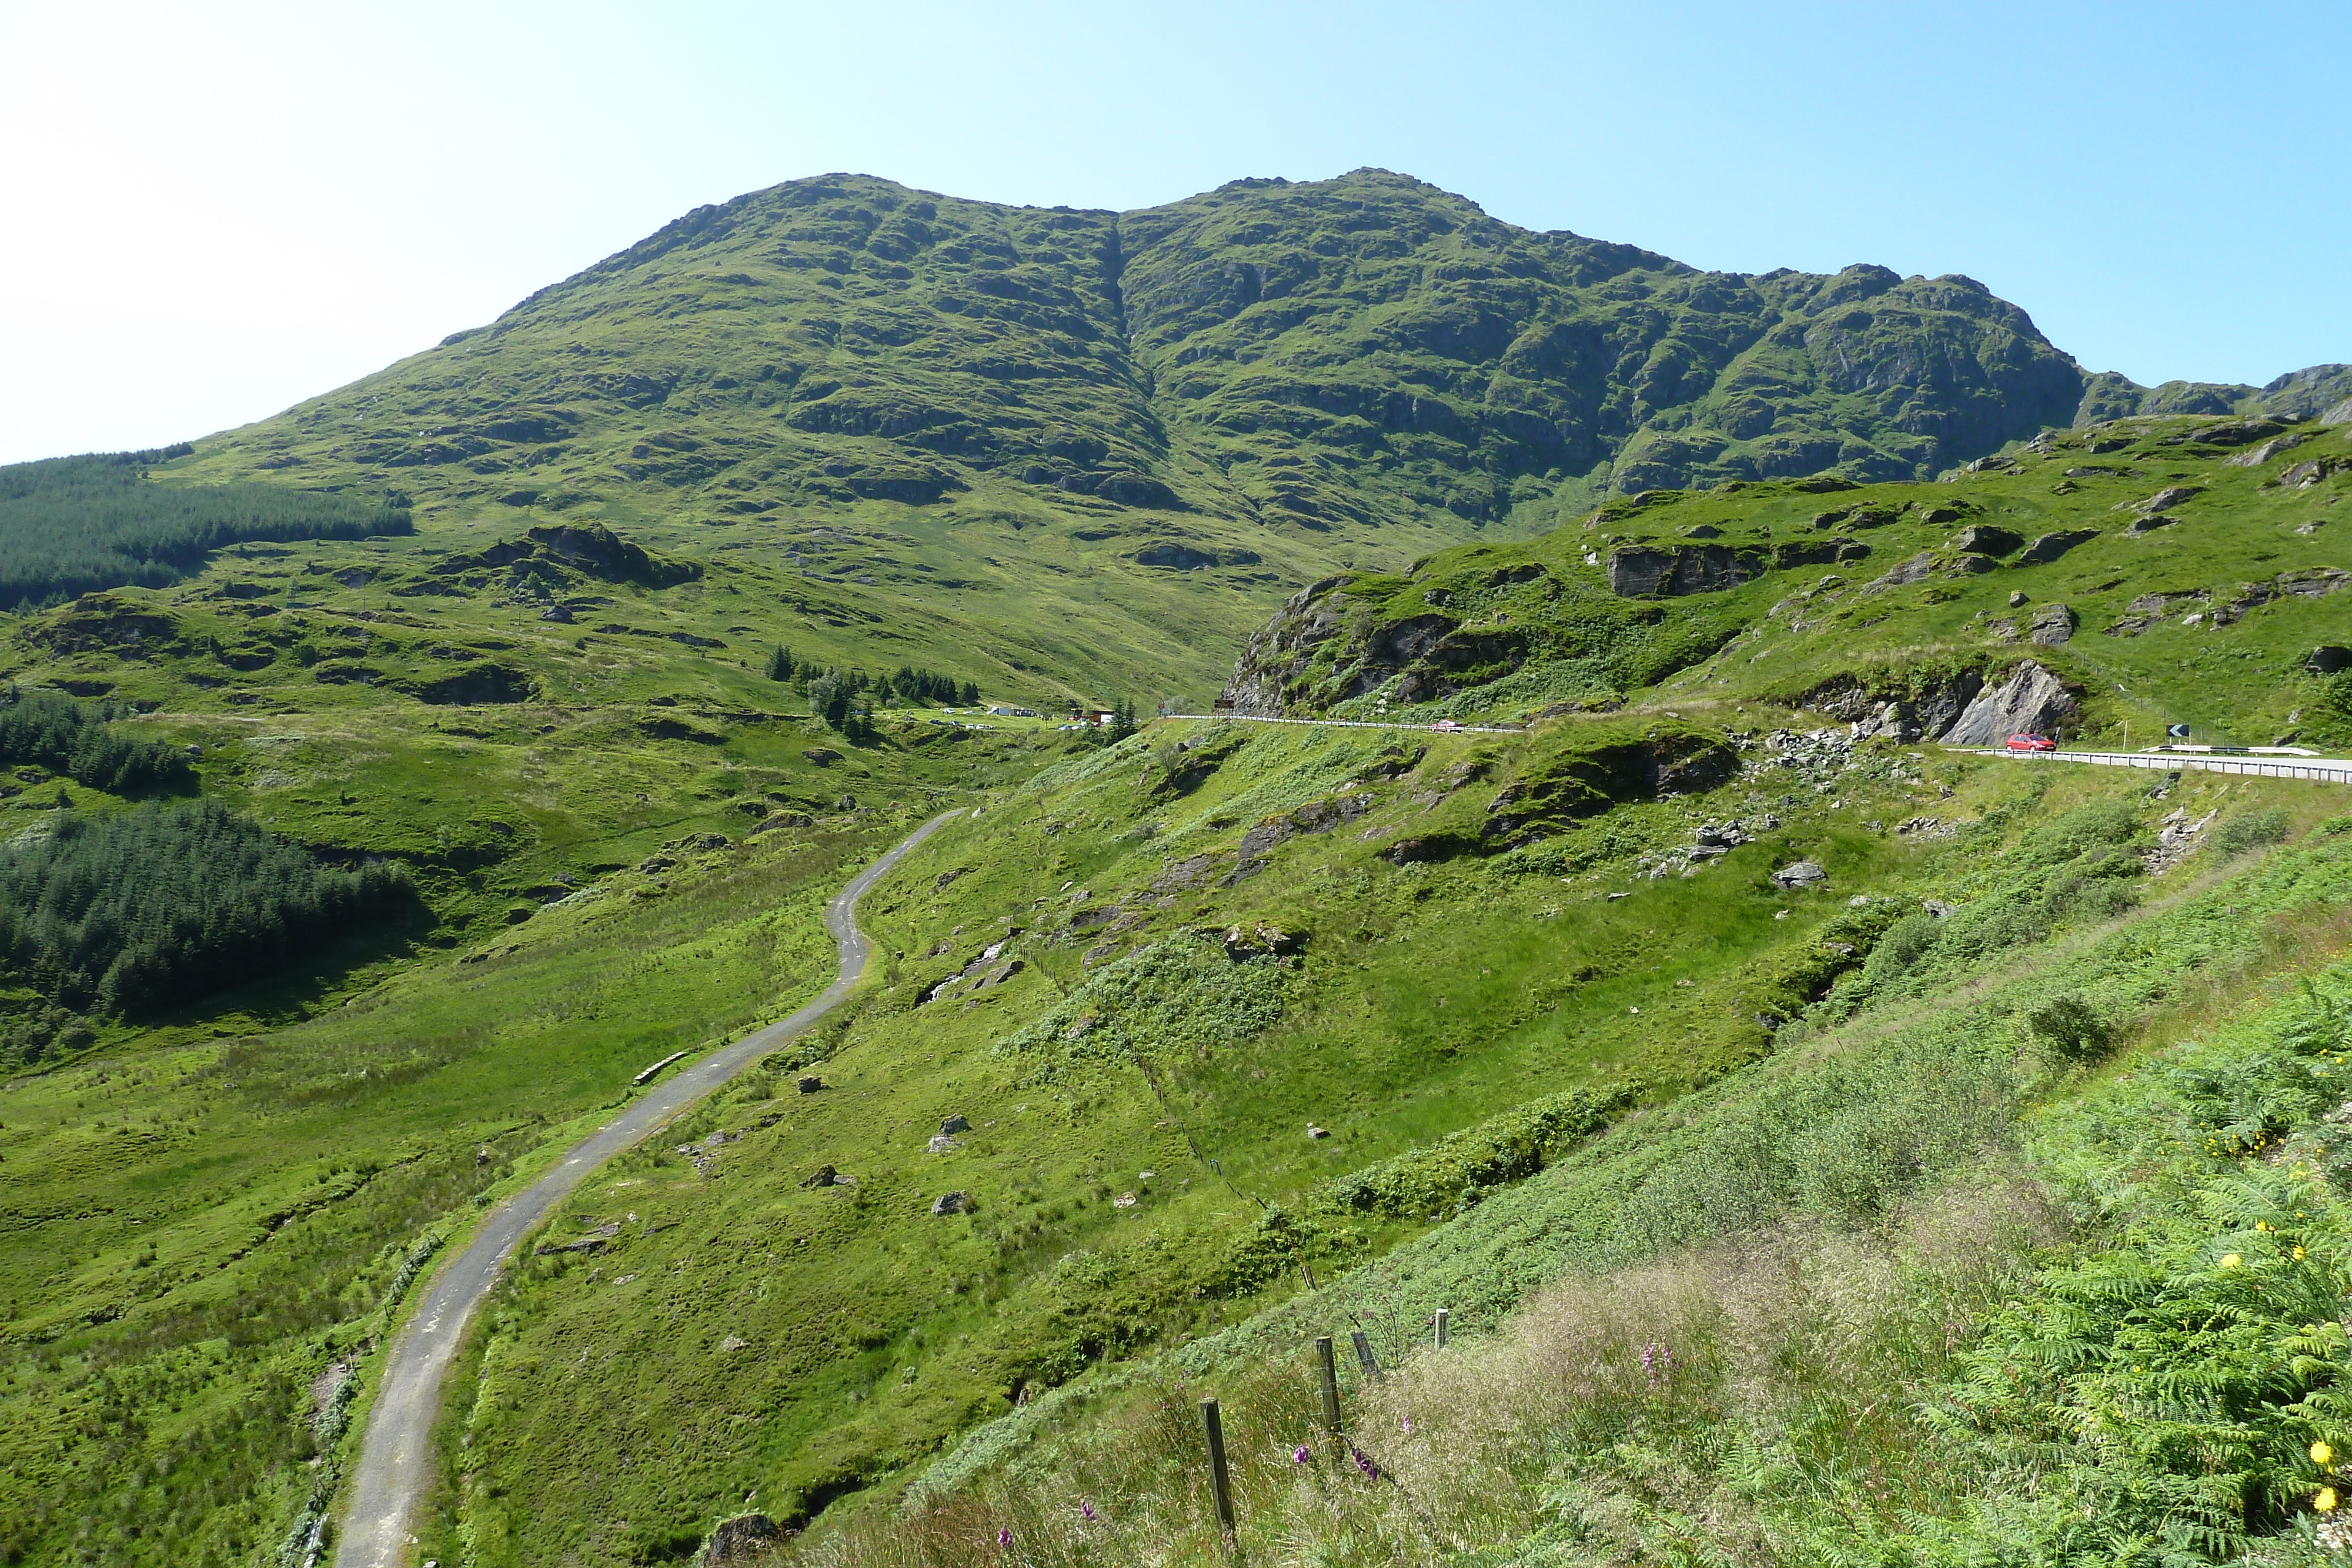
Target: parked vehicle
{"points": [[2023, 742], [1447, 724]]}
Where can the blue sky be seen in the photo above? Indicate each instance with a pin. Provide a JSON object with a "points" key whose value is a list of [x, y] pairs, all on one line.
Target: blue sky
{"points": [[217, 210]]}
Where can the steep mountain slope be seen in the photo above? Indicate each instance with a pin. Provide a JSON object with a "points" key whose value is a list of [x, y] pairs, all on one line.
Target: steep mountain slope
{"points": [[1038, 417], [1371, 340], [1245, 1024]]}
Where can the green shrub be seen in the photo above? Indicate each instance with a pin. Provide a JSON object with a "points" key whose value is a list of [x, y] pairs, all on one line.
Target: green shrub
{"points": [[2248, 830], [1907, 942], [2069, 1024], [1181, 994]]}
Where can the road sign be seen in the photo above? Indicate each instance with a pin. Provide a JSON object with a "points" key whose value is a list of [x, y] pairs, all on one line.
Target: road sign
{"points": [[2177, 731]]}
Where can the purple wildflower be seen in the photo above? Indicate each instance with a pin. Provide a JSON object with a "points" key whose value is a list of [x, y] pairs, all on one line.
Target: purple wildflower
{"points": [[1364, 1463], [1408, 1426], [1301, 1454], [1085, 1511], [1657, 1362], [1003, 1536]]}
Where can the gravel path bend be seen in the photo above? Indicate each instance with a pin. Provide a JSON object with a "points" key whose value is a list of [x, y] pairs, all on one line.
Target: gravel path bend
{"points": [[394, 1464]]}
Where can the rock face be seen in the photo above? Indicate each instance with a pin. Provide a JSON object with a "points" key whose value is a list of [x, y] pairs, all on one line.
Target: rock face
{"points": [[2052, 625], [746, 1538], [1984, 539], [2031, 699], [1279, 651], [1963, 709], [1644, 571]]}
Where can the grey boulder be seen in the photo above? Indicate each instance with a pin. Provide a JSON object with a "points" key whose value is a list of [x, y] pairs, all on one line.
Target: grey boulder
{"points": [[2032, 699]]}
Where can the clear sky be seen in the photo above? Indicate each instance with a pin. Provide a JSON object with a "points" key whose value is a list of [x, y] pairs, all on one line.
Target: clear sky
{"points": [[213, 211]]}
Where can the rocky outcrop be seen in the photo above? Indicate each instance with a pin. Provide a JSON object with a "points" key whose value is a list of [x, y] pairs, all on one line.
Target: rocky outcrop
{"points": [[2050, 546], [1314, 817], [2052, 625], [1984, 539], [1280, 651], [481, 686], [1820, 552], [747, 1537], [2031, 699], [2150, 608], [1650, 571], [1963, 709], [2266, 451]]}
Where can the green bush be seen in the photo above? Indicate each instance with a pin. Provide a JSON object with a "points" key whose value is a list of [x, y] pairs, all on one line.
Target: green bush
{"points": [[2070, 1024], [2248, 830], [1179, 995], [1907, 942]]}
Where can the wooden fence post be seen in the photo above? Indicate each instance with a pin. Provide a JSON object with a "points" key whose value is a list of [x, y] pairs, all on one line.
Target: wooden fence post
{"points": [[1221, 1487], [1443, 1315], [1364, 1356], [1329, 1373]]}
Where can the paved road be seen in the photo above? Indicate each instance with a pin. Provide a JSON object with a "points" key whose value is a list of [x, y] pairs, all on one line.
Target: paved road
{"points": [[394, 1463], [2321, 769], [1355, 724]]}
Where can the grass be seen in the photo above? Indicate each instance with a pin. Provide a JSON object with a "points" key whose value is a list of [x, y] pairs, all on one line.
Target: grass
{"points": [[1539, 1053], [1505, 630], [798, 1350], [1757, 1337]]}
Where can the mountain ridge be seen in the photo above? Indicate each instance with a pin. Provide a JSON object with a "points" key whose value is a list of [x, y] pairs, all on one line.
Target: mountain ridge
{"points": [[1221, 323]]}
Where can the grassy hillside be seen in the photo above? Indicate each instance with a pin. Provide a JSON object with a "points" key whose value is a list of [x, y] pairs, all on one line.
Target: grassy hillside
{"points": [[1103, 444], [1713, 974], [2168, 569]]}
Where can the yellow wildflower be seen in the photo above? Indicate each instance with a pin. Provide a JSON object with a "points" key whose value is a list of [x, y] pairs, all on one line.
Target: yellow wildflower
{"points": [[2326, 1501], [2231, 1259], [2321, 1454], [2298, 1252]]}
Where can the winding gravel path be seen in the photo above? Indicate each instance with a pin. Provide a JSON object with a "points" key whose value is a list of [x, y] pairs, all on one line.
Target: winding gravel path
{"points": [[395, 1457]]}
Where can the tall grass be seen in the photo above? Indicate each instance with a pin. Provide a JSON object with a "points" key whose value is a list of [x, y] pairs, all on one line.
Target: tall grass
{"points": [[1854, 1305]]}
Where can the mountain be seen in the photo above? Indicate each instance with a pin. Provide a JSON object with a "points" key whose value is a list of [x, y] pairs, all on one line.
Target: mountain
{"points": [[1017, 414], [2298, 394], [1703, 1020]]}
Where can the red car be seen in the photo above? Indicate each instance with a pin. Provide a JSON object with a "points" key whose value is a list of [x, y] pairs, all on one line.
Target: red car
{"points": [[2022, 742]]}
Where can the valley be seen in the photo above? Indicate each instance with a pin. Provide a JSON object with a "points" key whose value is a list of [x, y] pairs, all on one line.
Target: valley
{"points": [[1653, 970]]}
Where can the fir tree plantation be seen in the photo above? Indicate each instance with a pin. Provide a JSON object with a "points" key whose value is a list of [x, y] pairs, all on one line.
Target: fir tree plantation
{"points": [[1571, 889]]}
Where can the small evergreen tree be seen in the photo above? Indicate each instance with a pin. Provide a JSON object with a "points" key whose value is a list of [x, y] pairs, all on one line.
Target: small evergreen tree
{"points": [[970, 694], [780, 664], [829, 698]]}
